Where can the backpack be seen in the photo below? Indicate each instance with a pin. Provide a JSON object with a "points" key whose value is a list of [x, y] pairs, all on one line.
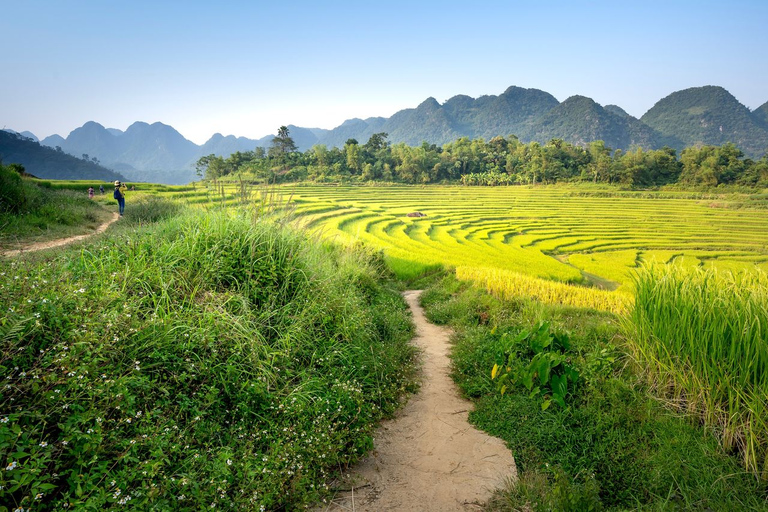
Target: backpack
{"points": [[117, 194]]}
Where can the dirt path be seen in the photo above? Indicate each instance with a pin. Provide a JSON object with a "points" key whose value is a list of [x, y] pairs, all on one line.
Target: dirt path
{"points": [[429, 458], [61, 241]]}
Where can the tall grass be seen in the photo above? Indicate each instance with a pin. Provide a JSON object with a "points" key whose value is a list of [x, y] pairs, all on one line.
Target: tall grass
{"points": [[206, 361], [704, 336]]}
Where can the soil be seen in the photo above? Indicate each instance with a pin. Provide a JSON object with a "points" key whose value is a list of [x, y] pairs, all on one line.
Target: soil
{"points": [[61, 241], [428, 458]]}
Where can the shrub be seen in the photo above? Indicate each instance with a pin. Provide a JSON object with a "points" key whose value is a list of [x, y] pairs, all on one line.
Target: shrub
{"points": [[202, 362], [12, 196]]}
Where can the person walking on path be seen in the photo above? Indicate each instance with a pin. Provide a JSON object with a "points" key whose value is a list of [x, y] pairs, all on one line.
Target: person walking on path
{"points": [[120, 197], [90, 192], [101, 189]]}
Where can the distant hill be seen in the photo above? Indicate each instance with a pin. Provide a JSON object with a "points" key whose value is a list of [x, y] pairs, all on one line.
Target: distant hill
{"points": [[144, 152], [580, 120], [701, 115], [708, 115], [44, 162], [761, 114]]}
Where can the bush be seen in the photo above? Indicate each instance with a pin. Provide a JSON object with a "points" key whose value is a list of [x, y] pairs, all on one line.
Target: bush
{"points": [[204, 362], [12, 196], [612, 446]]}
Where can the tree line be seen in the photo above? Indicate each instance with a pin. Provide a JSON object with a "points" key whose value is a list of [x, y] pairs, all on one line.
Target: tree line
{"points": [[498, 161]]}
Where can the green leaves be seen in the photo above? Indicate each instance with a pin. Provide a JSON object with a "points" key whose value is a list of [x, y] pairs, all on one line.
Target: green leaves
{"points": [[548, 373]]}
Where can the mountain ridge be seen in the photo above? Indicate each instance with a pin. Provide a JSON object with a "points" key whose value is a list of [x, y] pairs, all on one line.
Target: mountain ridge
{"points": [[694, 116]]}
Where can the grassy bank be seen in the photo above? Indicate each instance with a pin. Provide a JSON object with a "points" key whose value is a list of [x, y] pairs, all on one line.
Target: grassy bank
{"points": [[612, 447], [702, 337], [34, 211], [202, 361]]}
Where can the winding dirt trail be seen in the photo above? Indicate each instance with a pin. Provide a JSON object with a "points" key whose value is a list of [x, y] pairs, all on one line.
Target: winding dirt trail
{"points": [[429, 458], [61, 241]]}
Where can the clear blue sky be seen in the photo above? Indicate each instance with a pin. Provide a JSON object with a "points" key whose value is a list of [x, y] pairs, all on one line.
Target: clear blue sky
{"points": [[245, 68]]}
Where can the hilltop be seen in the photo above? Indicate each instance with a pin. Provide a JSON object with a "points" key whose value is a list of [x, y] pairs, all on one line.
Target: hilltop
{"points": [[44, 162], [707, 115]]}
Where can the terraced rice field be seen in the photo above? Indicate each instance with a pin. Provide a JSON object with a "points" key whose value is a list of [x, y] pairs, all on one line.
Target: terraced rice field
{"points": [[501, 235]]}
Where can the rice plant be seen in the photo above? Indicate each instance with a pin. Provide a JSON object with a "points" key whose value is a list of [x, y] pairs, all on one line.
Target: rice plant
{"points": [[703, 335]]}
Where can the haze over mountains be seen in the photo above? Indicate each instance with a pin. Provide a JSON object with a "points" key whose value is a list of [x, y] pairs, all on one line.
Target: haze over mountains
{"points": [[700, 115]]}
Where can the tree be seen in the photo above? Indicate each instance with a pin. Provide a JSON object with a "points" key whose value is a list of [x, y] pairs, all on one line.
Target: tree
{"points": [[210, 167], [282, 146]]}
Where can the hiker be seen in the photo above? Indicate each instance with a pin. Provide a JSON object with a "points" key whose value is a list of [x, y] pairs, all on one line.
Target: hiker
{"points": [[120, 197], [101, 189], [90, 192]]}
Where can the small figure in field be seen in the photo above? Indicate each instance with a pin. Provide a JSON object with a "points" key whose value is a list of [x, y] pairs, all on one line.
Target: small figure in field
{"points": [[101, 189], [90, 192], [133, 188], [120, 197]]}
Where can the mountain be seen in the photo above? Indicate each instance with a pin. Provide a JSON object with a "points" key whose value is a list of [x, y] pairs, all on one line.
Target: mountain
{"points": [[580, 120], [44, 162], [225, 146], [144, 152], [512, 112], [761, 114], [53, 140], [26, 134], [703, 115], [427, 122], [359, 129], [708, 115]]}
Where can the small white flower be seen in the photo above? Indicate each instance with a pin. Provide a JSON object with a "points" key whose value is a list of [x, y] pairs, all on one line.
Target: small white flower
{"points": [[229, 462], [43, 444]]}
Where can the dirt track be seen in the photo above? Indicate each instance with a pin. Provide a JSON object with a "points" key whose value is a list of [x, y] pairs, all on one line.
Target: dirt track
{"points": [[61, 241], [429, 458]]}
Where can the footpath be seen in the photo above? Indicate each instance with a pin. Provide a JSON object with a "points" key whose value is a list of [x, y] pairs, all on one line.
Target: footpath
{"points": [[428, 458], [61, 241]]}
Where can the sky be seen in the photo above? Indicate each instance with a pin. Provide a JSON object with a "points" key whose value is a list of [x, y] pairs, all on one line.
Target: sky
{"points": [[247, 67]]}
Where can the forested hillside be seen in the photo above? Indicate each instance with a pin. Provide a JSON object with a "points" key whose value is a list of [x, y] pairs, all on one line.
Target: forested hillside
{"points": [[709, 115], [44, 162], [693, 117], [499, 161]]}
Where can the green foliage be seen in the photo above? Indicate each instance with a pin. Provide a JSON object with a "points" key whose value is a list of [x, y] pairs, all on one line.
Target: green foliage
{"points": [[708, 116], [13, 197], [499, 161], [614, 447], [202, 362], [45, 212], [703, 335], [149, 209], [45, 162], [538, 360]]}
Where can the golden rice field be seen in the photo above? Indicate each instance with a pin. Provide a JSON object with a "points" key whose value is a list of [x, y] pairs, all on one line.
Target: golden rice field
{"points": [[533, 241], [518, 240]]}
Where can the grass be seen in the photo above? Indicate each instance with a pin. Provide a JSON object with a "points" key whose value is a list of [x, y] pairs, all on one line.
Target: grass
{"points": [[50, 214], [613, 447], [199, 361], [702, 336]]}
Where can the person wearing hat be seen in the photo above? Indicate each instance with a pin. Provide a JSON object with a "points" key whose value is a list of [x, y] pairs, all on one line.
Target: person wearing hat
{"points": [[119, 196]]}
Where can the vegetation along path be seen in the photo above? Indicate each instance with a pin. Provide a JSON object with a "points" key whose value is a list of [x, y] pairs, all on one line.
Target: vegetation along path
{"points": [[429, 457], [61, 241]]}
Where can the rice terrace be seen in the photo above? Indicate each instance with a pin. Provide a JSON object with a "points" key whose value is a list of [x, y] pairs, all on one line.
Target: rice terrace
{"points": [[623, 343], [384, 257]]}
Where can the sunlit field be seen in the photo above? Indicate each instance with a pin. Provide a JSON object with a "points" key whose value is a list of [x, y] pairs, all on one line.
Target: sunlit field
{"points": [[499, 236], [503, 237]]}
